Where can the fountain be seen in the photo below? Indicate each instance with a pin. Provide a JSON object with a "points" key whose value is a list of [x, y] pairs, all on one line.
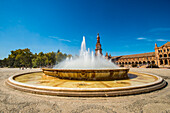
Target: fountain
{"points": [[86, 75], [87, 67]]}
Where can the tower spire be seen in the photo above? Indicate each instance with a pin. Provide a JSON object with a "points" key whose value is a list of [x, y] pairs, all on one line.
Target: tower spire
{"points": [[156, 45], [98, 46], [98, 38]]}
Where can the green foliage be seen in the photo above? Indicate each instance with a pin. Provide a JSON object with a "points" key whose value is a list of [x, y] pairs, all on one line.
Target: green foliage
{"points": [[1, 62], [20, 57], [69, 55], [59, 57], [25, 58]]}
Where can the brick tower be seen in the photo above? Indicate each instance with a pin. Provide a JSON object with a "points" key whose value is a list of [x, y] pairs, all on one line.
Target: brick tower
{"points": [[98, 46]]}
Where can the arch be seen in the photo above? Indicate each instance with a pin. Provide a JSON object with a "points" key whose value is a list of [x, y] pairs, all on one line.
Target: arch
{"points": [[148, 62], [165, 55], [169, 54], [136, 62], [166, 62], [122, 62], [126, 63], [144, 62], [129, 62], [153, 62], [161, 62], [160, 55], [140, 62]]}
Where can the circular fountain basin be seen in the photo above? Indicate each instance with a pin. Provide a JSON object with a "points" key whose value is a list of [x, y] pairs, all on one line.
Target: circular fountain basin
{"points": [[88, 74], [40, 83]]}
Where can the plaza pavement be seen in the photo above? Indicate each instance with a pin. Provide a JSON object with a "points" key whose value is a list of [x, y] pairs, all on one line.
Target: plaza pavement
{"points": [[13, 101]]}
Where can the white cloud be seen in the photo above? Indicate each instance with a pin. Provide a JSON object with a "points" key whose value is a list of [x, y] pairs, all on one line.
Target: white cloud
{"points": [[141, 38], [161, 40], [65, 40], [53, 37], [59, 38], [146, 39]]}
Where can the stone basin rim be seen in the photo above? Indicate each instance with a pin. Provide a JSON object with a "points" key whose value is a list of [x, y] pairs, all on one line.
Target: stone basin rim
{"points": [[101, 69], [11, 80]]}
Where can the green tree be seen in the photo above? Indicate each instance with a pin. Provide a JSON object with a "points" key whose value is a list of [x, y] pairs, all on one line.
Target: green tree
{"points": [[1, 63], [20, 57], [69, 55], [60, 57], [24, 57], [40, 60], [51, 58]]}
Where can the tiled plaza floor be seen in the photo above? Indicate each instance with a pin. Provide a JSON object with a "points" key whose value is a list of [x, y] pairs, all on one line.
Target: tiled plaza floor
{"points": [[16, 101]]}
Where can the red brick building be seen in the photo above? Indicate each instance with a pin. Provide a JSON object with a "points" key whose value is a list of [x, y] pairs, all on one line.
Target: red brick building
{"points": [[160, 57]]}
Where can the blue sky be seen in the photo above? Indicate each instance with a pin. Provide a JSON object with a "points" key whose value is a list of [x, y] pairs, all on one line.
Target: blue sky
{"points": [[125, 26]]}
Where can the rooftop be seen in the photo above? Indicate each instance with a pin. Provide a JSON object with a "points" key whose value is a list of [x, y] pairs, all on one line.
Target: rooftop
{"points": [[136, 55], [166, 44]]}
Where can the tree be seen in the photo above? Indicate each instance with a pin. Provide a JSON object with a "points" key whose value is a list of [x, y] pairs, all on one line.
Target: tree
{"points": [[24, 57], [69, 55], [20, 57], [60, 57], [1, 63], [51, 58]]}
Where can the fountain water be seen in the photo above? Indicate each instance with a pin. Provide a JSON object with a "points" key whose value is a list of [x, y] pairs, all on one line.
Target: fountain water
{"points": [[86, 60], [87, 67]]}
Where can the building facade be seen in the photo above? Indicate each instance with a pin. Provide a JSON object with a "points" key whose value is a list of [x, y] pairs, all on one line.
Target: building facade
{"points": [[160, 57]]}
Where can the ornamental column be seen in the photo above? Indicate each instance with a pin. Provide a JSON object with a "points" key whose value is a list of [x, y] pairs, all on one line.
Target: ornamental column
{"points": [[163, 62], [158, 62], [168, 62]]}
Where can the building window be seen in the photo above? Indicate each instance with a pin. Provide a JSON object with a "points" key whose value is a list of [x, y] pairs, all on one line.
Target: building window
{"points": [[160, 55], [167, 49], [164, 50]]}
